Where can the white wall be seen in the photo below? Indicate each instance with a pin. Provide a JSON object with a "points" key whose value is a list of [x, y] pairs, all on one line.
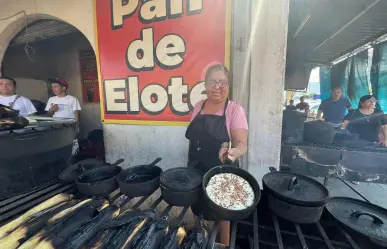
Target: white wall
{"points": [[267, 49], [32, 89]]}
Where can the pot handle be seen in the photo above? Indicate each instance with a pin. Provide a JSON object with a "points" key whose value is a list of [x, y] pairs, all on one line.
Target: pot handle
{"points": [[157, 160], [293, 182], [119, 161], [376, 218], [272, 169]]}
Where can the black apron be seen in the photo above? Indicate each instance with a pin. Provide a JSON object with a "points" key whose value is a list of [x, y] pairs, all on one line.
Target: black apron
{"points": [[206, 133]]}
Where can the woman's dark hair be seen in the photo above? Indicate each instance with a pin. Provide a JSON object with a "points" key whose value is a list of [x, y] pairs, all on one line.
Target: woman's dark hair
{"points": [[364, 99], [218, 67]]}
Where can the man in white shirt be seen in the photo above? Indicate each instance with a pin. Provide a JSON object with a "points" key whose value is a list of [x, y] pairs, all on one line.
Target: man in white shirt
{"points": [[9, 97], [62, 105]]}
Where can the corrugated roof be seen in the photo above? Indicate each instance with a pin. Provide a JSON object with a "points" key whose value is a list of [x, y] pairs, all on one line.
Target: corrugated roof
{"points": [[320, 31]]}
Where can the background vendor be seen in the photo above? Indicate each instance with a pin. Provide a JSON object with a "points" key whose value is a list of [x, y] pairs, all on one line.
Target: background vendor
{"points": [[8, 97], [303, 106], [62, 105], [335, 107], [367, 121], [215, 122]]}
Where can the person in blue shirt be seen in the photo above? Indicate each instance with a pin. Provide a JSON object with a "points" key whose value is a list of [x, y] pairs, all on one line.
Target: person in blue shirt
{"points": [[334, 108]]}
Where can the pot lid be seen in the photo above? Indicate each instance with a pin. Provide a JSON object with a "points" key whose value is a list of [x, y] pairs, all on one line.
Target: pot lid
{"points": [[295, 188], [363, 217], [181, 179]]}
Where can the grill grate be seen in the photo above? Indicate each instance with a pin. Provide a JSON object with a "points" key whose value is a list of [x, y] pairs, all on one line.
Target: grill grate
{"points": [[275, 233], [262, 230], [14, 206], [315, 145]]}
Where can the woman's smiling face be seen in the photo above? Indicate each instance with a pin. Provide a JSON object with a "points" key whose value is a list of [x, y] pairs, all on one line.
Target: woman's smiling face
{"points": [[217, 86]]}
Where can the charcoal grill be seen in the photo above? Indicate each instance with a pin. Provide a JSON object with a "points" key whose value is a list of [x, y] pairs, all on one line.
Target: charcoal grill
{"points": [[350, 163], [262, 230]]}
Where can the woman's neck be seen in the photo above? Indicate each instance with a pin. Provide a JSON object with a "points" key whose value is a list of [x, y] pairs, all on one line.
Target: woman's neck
{"points": [[212, 107], [367, 111]]}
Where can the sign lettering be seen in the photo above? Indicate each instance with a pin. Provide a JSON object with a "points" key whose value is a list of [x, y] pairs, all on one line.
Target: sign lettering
{"points": [[153, 56]]}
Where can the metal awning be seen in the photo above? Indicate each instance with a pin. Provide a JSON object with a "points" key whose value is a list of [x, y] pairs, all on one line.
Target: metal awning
{"points": [[321, 31]]}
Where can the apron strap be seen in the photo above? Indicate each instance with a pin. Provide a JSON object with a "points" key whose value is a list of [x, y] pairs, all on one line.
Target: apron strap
{"points": [[225, 108]]}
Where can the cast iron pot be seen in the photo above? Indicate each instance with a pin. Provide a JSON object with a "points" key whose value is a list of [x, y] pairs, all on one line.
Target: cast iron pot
{"points": [[181, 186], [361, 218], [227, 214], [295, 197], [140, 180], [71, 173], [98, 182]]}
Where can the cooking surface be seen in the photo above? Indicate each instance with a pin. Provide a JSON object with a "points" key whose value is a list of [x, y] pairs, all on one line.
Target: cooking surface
{"points": [[262, 230], [351, 164]]}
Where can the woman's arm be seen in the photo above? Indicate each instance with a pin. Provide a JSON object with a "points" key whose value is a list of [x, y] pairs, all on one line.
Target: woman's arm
{"points": [[344, 125], [384, 131], [238, 135], [238, 146], [239, 141]]}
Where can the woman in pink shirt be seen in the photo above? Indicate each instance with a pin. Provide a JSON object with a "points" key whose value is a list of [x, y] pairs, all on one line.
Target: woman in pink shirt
{"points": [[215, 122]]}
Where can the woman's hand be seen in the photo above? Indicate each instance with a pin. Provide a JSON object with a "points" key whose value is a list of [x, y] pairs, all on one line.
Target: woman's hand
{"points": [[223, 154], [233, 154]]}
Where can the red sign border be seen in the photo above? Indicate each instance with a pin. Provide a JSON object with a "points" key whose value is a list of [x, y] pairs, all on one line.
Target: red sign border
{"points": [[227, 60]]}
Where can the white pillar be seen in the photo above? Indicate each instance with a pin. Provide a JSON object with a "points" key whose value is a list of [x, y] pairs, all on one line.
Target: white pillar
{"points": [[268, 39], [240, 61]]}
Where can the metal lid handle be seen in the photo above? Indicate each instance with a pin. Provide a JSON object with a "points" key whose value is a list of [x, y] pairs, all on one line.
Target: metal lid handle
{"points": [[376, 218], [293, 183]]}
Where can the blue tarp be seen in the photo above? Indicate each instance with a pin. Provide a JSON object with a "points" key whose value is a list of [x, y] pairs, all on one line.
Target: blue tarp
{"points": [[358, 81], [379, 75], [325, 82], [350, 75]]}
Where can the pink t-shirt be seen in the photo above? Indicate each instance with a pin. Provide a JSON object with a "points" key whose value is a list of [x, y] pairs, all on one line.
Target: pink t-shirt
{"points": [[235, 116]]}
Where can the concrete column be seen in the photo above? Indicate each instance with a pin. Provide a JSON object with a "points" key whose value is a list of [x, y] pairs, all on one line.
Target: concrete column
{"points": [[268, 41], [240, 61]]}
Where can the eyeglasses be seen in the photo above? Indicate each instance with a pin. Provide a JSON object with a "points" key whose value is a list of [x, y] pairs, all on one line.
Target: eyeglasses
{"points": [[214, 83]]}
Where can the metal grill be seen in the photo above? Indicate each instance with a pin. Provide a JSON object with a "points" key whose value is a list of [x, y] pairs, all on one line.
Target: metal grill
{"points": [[14, 206], [122, 201], [264, 230], [315, 145]]}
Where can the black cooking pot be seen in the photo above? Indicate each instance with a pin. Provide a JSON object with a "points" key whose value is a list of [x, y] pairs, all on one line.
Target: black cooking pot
{"points": [[295, 197], [140, 180], [362, 218], [71, 173], [319, 132], [98, 182], [220, 213], [181, 186]]}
